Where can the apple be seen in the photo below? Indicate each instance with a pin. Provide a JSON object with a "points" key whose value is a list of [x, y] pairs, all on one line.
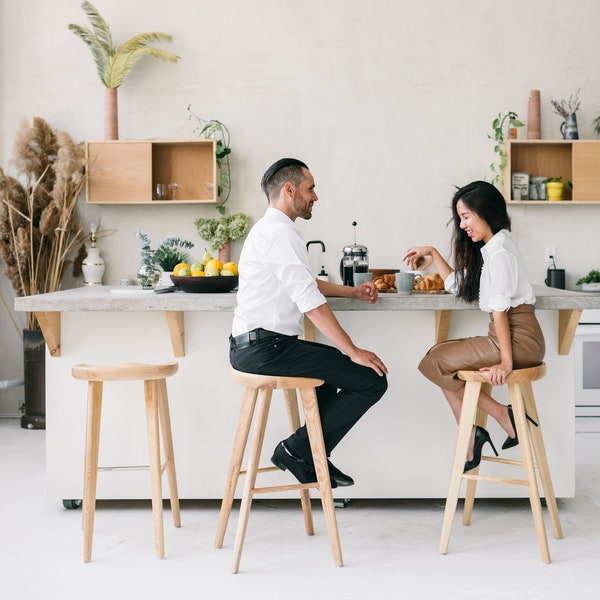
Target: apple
{"points": [[184, 272], [227, 273], [197, 266], [212, 272]]}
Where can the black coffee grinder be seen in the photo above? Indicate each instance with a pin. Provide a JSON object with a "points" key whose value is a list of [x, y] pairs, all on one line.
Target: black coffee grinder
{"points": [[355, 259]]}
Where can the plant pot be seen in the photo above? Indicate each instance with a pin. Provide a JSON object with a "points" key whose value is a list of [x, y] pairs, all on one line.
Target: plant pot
{"points": [[34, 374], [225, 253], [555, 190]]}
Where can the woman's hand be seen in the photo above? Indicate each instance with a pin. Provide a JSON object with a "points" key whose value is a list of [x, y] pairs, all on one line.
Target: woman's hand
{"points": [[414, 254], [498, 373]]}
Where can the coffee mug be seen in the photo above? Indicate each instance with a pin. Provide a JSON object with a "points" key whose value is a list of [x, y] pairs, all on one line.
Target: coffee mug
{"points": [[555, 278], [362, 278], [405, 282]]}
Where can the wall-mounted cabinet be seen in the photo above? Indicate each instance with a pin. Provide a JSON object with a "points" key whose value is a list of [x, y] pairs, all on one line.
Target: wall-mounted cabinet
{"points": [[126, 172], [577, 161]]}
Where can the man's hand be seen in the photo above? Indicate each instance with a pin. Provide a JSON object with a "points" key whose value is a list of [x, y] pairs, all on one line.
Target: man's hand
{"points": [[366, 291], [366, 358]]}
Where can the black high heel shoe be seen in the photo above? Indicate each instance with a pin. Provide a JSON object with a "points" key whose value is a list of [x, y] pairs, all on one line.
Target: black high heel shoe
{"points": [[481, 437], [511, 442]]}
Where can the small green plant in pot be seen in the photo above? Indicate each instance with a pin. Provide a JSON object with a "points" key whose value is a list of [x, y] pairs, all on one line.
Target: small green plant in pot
{"points": [[591, 280]]}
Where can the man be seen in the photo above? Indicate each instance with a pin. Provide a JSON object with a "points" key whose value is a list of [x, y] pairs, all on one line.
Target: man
{"points": [[276, 290]]}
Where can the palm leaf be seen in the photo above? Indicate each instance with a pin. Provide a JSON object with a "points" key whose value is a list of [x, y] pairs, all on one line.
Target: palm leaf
{"points": [[122, 63], [143, 39], [100, 26], [100, 54]]}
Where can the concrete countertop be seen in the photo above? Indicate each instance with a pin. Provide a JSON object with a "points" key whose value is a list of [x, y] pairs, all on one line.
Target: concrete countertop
{"points": [[115, 298]]}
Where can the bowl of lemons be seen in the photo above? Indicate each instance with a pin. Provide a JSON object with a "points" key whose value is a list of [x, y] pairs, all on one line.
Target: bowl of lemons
{"points": [[207, 277]]}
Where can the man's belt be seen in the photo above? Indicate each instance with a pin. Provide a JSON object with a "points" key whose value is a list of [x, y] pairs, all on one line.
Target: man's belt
{"points": [[244, 340]]}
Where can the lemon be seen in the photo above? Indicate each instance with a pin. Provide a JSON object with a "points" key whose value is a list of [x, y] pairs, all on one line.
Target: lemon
{"points": [[198, 273], [215, 264], [231, 266], [180, 266]]}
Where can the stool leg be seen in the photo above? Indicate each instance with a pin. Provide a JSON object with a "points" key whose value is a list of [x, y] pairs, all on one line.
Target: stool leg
{"points": [[541, 458], [317, 446], [465, 427], [481, 420], [239, 445], [90, 469], [253, 463], [516, 398], [151, 395], [165, 427], [291, 402]]}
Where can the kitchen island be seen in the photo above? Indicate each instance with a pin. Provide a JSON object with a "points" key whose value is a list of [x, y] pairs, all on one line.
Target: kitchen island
{"points": [[402, 448]]}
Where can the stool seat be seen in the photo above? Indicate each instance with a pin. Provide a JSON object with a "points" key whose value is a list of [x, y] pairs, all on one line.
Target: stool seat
{"points": [[531, 443], [255, 406], [158, 422]]}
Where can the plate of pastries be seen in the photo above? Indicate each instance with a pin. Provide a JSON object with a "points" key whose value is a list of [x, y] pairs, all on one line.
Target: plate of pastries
{"points": [[429, 284]]}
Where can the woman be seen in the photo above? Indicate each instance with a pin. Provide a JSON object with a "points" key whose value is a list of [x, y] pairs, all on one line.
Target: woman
{"points": [[489, 267]]}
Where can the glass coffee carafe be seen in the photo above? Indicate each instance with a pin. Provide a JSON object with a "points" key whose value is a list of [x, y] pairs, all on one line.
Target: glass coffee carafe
{"points": [[355, 259]]}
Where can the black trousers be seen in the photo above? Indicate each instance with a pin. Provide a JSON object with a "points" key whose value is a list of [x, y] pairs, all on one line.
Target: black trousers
{"points": [[348, 392]]}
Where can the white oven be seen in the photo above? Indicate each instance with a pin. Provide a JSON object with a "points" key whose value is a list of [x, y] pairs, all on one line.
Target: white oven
{"points": [[587, 371]]}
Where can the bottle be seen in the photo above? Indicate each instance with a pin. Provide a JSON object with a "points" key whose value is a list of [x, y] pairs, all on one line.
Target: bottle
{"points": [[512, 130], [323, 275]]}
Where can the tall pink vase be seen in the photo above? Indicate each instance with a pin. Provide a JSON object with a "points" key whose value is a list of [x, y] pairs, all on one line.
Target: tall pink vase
{"points": [[534, 126]]}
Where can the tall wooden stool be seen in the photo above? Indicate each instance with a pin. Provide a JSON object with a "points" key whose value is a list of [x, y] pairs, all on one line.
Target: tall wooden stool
{"points": [[523, 404], [265, 384], [157, 412]]}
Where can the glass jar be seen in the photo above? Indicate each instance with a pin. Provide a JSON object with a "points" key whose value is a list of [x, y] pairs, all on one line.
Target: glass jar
{"points": [[148, 276]]}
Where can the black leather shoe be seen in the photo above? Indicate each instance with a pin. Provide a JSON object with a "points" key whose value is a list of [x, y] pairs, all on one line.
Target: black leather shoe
{"points": [[481, 438], [337, 477], [283, 458]]}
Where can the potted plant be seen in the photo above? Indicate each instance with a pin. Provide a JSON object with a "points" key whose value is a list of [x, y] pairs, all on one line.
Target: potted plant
{"points": [[567, 109], [220, 232], [555, 188], [39, 235], [113, 62], [169, 253], [591, 282], [502, 127]]}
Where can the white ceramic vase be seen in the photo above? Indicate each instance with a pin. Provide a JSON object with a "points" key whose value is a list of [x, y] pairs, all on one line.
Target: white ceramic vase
{"points": [[93, 266]]}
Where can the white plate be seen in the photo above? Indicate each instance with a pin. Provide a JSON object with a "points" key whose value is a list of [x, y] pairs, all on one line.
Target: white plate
{"points": [[590, 287]]}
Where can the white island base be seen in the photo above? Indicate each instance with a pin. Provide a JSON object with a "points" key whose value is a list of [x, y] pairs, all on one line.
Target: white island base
{"points": [[402, 448]]}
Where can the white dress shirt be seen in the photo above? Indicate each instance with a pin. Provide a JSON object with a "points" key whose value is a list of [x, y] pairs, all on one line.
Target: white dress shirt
{"points": [[276, 286], [503, 284]]}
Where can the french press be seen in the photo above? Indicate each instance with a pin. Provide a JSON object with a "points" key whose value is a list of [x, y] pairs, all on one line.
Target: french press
{"points": [[355, 259]]}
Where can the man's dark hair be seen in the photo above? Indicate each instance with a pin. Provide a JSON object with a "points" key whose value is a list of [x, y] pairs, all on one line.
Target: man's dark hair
{"points": [[285, 169]]}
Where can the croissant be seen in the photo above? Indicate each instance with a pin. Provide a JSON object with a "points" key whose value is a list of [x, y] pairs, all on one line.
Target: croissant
{"points": [[431, 282]]}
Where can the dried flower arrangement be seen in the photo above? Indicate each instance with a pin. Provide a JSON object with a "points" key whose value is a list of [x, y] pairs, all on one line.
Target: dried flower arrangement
{"points": [[171, 251], [39, 227], [564, 108]]}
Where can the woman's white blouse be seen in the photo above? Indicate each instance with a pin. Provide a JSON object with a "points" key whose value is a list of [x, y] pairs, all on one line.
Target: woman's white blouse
{"points": [[503, 283]]}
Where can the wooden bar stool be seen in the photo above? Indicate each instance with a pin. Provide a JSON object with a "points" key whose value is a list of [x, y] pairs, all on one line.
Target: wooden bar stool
{"points": [[523, 404], [265, 384], [157, 414]]}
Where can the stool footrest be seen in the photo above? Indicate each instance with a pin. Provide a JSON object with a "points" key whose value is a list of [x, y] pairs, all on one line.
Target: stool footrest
{"points": [[284, 488], [506, 461], [496, 479], [263, 470]]}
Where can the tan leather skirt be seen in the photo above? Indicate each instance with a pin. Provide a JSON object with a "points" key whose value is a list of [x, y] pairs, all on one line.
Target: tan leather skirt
{"points": [[445, 359]]}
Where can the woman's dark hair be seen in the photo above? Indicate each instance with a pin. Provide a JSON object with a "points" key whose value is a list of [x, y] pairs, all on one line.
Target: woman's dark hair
{"points": [[285, 169], [486, 202]]}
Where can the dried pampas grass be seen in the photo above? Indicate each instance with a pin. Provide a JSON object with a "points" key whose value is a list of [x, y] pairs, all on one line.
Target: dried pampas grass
{"points": [[39, 226]]}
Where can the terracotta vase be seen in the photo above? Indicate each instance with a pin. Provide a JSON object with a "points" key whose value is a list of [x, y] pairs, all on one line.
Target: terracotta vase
{"points": [[111, 116], [225, 253]]}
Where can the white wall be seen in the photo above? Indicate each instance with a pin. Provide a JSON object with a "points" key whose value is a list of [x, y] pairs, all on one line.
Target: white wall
{"points": [[389, 102]]}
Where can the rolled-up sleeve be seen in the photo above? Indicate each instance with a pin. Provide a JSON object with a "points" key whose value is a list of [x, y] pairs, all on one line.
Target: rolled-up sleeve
{"points": [[503, 286]]}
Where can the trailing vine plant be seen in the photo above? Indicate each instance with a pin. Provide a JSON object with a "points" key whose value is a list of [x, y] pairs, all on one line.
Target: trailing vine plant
{"points": [[500, 133], [215, 130]]}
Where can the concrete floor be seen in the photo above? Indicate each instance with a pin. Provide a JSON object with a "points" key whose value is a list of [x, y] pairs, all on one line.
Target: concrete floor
{"points": [[389, 546]]}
